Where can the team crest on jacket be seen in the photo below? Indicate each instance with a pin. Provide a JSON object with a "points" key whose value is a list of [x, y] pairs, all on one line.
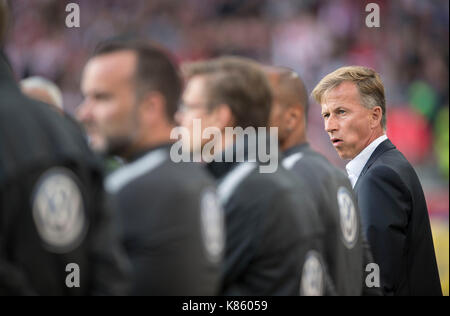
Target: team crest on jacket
{"points": [[58, 210], [212, 222], [313, 275], [349, 218]]}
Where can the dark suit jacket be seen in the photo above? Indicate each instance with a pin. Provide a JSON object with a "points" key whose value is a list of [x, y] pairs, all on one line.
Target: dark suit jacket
{"points": [[395, 219], [35, 139]]}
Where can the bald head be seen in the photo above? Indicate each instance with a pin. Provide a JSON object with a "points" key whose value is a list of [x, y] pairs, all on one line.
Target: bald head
{"points": [[290, 106], [43, 90], [288, 88]]}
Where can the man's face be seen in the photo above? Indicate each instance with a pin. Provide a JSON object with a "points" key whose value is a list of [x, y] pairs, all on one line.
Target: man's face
{"points": [[195, 106], [347, 121], [109, 110]]}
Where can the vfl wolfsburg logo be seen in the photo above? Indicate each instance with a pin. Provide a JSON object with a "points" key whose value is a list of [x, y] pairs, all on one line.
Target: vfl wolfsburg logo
{"points": [[212, 221], [58, 210], [313, 275], [349, 218]]}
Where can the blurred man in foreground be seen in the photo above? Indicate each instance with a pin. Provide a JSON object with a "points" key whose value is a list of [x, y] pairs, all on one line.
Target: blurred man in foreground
{"points": [[393, 209], [173, 226], [272, 231], [56, 236], [43, 90]]}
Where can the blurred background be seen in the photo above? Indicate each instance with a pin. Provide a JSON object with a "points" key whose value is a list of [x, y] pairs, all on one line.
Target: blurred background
{"points": [[409, 50]]}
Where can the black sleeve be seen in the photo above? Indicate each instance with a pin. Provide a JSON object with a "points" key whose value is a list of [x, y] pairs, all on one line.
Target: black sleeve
{"points": [[12, 279], [368, 259], [163, 241], [242, 225], [111, 267], [267, 249], [384, 202]]}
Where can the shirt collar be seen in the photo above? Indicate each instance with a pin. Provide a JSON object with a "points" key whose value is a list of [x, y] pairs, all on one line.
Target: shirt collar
{"points": [[144, 152], [356, 165], [296, 149]]}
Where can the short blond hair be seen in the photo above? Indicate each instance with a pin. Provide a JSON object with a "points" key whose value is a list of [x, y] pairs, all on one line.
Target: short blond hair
{"points": [[368, 82]]}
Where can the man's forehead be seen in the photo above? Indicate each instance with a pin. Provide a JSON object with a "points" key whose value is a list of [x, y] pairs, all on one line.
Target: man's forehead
{"points": [[195, 88], [109, 69], [345, 89], [344, 92], [324, 107], [120, 63]]}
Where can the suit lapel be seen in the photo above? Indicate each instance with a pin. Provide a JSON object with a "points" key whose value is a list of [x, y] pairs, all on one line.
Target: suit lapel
{"points": [[382, 148]]}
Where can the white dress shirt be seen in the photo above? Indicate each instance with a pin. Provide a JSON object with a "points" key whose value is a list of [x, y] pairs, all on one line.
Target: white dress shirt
{"points": [[356, 165]]}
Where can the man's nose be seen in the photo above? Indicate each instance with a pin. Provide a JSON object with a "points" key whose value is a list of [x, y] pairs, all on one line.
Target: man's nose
{"points": [[83, 111], [179, 116], [331, 124]]}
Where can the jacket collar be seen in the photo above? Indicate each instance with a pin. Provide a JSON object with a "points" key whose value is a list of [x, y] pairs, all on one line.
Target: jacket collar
{"points": [[381, 149], [143, 152], [220, 168], [296, 149], [6, 74]]}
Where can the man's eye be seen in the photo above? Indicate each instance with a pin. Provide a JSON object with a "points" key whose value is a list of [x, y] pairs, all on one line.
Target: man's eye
{"points": [[325, 115], [101, 97], [341, 112]]}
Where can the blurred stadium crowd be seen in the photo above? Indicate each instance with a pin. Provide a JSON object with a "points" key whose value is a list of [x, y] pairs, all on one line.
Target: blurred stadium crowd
{"points": [[409, 50]]}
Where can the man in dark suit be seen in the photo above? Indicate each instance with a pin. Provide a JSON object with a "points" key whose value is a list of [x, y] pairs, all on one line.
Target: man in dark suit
{"points": [[343, 242], [393, 209], [272, 229], [57, 237], [172, 224]]}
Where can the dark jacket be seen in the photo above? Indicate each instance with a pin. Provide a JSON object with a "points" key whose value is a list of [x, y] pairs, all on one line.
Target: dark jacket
{"points": [[395, 220], [52, 210], [172, 223], [333, 196], [273, 233]]}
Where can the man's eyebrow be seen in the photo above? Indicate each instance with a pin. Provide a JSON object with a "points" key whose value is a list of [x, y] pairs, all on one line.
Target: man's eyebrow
{"points": [[102, 92]]}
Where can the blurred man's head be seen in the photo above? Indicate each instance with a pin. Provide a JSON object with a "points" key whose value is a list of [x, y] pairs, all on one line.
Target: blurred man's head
{"points": [[131, 92], [225, 92], [290, 106], [353, 108], [3, 20], [43, 90]]}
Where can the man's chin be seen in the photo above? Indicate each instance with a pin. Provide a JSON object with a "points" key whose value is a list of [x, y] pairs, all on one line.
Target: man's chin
{"points": [[122, 147], [98, 146], [102, 148], [343, 155]]}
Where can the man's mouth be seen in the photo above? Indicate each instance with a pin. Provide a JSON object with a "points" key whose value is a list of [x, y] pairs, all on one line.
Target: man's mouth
{"points": [[336, 141]]}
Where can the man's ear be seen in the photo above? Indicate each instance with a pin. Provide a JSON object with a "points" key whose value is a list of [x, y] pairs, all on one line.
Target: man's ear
{"points": [[293, 117], [223, 116], [152, 106], [376, 115]]}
